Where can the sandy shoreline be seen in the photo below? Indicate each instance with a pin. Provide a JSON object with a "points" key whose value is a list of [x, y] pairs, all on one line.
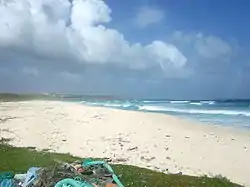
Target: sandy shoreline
{"points": [[154, 141]]}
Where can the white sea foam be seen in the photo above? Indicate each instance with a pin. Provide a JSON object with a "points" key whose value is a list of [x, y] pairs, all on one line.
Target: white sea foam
{"points": [[199, 104], [179, 102], [194, 111], [208, 102]]}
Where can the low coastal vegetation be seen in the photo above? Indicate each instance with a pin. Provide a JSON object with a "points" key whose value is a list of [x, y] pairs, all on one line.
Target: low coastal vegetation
{"points": [[19, 160], [12, 97]]}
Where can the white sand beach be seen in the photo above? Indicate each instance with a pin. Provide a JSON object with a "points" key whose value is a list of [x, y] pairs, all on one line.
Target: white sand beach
{"points": [[156, 141]]}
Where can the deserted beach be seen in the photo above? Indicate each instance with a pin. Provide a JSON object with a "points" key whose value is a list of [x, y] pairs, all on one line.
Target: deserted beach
{"points": [[156, 141], [158, 90]]}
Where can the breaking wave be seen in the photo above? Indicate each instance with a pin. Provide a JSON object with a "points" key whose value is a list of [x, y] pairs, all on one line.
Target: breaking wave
{"points": [[194, 111], [229, 112]]}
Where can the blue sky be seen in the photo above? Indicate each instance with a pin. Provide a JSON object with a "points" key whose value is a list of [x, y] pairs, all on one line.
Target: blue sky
{"points": [[228, 19], [146, 48]]}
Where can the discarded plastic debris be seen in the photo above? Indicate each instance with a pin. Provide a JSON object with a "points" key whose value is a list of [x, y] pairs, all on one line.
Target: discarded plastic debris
{"points": [[78, 174]]}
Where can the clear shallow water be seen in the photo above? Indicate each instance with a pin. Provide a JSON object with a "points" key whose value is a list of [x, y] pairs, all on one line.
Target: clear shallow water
{"points": [[224, 112]]}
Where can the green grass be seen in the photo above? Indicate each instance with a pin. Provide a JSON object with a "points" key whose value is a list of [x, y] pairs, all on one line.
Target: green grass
{"points": [[20, 159], [12, 97]]}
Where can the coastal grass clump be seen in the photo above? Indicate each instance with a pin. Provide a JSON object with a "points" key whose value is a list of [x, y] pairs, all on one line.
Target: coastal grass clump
{"points": [[19, 160], [12, 97]]}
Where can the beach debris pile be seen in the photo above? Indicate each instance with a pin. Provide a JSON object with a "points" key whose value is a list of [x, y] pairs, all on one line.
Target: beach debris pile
{"points": [[77, 174]]}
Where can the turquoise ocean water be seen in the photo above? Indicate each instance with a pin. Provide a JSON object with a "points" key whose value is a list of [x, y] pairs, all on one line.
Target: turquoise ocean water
{"points": [[231, 112], [223, 112]]}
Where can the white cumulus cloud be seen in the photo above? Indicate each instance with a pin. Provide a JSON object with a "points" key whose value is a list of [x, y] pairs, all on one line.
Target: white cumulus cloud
{"points": [[212, 47], [75, 30], [148, 15], [208, 46]]}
